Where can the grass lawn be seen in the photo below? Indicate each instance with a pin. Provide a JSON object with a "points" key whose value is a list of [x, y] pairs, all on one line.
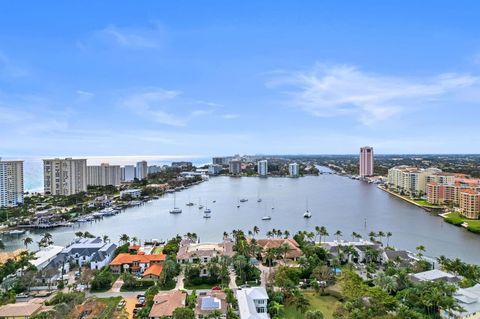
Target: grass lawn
{"points": [[425, 203], [202, 286], [457, 219], [111, 304], [326, 304]]}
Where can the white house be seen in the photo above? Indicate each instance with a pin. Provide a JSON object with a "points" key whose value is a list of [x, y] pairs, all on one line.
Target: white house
{"points": [[89, 250], [469, 300], [252, 303]]}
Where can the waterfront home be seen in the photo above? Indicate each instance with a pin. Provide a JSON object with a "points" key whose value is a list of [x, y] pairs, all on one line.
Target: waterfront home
{"points": [[165, 303], [89, 250], [44, 257], [337, 249], [133, 193], [23, 310], [435, 275], [401, 258], [202, 253], [469, 300], [292, 253], [252, 303], [137, 264], [209, 301]]}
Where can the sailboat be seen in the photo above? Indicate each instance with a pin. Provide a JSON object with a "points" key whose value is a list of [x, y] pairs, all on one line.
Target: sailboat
{"points": [[200, 206], [266, 217], [307, 213], [207, 210], [259, 200], [175, 209], [190, 203]]}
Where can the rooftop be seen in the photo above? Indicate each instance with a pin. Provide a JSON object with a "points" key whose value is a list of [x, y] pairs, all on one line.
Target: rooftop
{"points": [[164, 303], [125, 258], [46, 254], [20, 310], [246, 306]]}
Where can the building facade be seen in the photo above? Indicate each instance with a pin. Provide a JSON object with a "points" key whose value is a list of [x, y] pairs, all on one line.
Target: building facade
{"points": [[293, 170], [366, 161], [142, 170], [235, 167], [64, 176], [104, 175], [11, 183], [262, 168], [470, 203], [128, 173], [409, 179]]}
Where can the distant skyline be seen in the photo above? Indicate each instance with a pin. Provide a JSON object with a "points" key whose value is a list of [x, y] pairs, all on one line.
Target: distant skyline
{"points": [[204, 78]]}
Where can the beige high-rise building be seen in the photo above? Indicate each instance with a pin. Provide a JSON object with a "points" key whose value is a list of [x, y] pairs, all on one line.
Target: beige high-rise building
{"points": [[11, 183], [103, 175], [409, 179], [366, 161], [64, 176]]}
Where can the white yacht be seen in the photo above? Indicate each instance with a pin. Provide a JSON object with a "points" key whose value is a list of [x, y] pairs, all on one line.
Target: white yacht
{"points": [[307, 213], [175, 209]]}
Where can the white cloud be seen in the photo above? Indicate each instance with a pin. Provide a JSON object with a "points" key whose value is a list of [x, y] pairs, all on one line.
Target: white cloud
{"points": [[343, 90], [9, 68], [152, 103], [84, 93], [150, 37], [230, 116]]}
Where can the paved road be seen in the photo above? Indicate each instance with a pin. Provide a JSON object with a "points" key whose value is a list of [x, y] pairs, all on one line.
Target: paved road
{"points": [[117, 285]]}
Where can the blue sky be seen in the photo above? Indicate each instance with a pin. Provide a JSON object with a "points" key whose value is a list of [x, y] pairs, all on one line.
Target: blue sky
{"points": [[200, 78]]}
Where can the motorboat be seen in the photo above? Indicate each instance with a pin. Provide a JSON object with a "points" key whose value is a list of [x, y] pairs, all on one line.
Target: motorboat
{"points": [[307, 214], [16, 232], [243, 200], [266, 217]]}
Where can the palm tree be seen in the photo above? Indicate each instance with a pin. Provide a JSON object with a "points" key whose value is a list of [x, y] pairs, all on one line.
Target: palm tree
{"points": [[387, 283], [286, 234], [380, 235], [256, 230], [105, 238], [79, 234], [323, 233], [47, 238], [225, 235], [389, 234], [283, 249], [124, 238], [338, 234], [269, 234], [134, 240], [420, 250], [27, 241], [2, 245], [372, 236]]}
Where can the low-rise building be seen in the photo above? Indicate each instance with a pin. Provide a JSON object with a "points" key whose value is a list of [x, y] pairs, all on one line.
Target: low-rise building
{"points": [[202, 253], [469, 300], [134, 193], [207, 302], [435, 275], [252, 303], [292, 253], [215, 169], [165, 303], [137, 264], [95, 251], [22, 310]]}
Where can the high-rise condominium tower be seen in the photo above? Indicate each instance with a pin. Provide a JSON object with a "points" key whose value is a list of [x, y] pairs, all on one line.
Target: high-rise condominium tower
{"points": [[366, 161], [11, 183], [64, 176]]}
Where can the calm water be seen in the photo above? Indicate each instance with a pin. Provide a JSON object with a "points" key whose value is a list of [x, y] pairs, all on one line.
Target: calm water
{"points": [[336, 202]]}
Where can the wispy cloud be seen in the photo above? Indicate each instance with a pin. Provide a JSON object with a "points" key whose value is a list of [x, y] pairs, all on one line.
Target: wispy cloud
{"points": [[230, 116], [148, 37], [9, 68], [152, 103], [84, 93], [344, 90]]}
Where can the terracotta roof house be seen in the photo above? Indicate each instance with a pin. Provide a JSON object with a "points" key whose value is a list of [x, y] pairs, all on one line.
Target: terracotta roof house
{"points": [[202, 253], [22, 310], [165, 303], [293, 252], [137, 264], [207, 302]]}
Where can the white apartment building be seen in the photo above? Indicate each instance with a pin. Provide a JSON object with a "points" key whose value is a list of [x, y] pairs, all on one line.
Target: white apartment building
{"points": [[142, 170], [11, 183], [366, 161], [64, 176], [103, 175], [154, 169], [410, 179], [293, 170], [235, 167], [262, 168], [252, 303], [128, 173]]}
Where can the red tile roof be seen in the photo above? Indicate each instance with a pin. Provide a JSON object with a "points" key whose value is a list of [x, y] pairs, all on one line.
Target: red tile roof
{"points": [[155, 270], [125, 258]]}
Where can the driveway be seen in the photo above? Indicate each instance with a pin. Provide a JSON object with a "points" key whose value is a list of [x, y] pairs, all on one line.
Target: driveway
{"points": [[117, 285], [180, 285], [265, 273], [232, 284]]}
